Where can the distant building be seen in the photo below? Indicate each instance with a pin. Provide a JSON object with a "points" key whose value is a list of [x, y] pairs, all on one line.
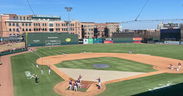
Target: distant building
{"points": [[97, 30], [16, 25], [168, 26]]}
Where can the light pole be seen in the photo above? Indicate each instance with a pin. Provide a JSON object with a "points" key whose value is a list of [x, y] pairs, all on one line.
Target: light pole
{"points": [[68, 9]]}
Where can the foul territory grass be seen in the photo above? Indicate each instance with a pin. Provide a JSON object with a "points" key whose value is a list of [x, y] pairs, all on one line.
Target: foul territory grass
{"points": [[116, 64], [27, 87], [137, 87]]}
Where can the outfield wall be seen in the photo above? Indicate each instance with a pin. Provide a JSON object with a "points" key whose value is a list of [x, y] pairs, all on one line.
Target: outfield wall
{"points": [[172, 42], [50, 39], [17, 50]]}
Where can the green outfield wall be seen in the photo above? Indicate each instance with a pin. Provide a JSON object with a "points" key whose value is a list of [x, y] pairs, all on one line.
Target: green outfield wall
{"points": [[50, 39]]}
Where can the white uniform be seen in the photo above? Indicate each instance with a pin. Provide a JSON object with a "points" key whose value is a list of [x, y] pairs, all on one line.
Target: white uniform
{"points": [[49, 71], [75, 87]]}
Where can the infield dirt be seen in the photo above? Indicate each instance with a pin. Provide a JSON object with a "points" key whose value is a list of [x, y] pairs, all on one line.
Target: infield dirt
{"points": [[159, 63]]}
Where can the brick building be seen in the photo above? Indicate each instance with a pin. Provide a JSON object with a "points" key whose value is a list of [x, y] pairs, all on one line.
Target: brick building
{"points": [[93, 30], [15, 25]]}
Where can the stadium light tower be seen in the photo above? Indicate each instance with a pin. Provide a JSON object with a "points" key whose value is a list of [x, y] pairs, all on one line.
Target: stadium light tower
{"points": [[68, 9]]}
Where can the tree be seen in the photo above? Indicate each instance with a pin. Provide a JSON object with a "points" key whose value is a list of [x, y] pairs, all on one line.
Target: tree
{"points": [[106, 32], [117, 30]]}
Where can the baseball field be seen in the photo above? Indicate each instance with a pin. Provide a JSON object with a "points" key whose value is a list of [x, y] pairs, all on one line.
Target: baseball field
{"points": [[117, 59]]}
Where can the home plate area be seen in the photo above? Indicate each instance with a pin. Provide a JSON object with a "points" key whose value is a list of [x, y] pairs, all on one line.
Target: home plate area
{"points": [[93, 75]]}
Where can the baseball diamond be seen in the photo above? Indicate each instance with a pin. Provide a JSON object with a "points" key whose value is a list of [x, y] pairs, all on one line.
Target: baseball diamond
{"points": [[91, 48], [144, 72]]}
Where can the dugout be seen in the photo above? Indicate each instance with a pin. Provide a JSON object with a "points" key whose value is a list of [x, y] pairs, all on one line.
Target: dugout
{"points": [[50, 39]]}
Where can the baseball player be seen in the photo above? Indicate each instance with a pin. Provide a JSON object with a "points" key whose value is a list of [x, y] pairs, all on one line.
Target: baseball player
{"points": [[99, 83], [75, 86], [79, 81], [179, 66], [49, 71], [170, 66], [70, 85], [36, 79]]}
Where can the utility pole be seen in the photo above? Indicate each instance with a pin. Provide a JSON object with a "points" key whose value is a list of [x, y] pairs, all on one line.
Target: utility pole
{"points": [[68, 9]]}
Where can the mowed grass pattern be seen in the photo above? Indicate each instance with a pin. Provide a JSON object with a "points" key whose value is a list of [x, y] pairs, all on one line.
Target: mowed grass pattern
{"points": [[28, 87], [140, 85], [22, 63], [115, 64]]}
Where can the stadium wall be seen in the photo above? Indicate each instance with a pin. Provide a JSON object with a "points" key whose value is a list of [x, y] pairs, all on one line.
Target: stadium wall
{"points": [[181, 34], [7, 52]]}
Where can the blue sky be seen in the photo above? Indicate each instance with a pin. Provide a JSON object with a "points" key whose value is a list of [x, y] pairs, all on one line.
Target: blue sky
{"points": [[100, 10]]}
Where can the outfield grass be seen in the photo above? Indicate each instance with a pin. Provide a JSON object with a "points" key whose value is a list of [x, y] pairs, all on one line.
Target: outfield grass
{"points": [[171, 51], [116, 64], [22, 63]]}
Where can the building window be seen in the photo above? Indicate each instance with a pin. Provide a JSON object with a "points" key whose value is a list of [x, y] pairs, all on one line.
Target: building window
{"points": [[29, 24], [17, 24], [26, 24], [29, 29], [51, 29], [51, 24], [13, 24], [13, 29], [9, 24], [17, 30], [26, 29], [22, 24], [10, 29], [23, 29], [57, 24], [57, 29]]}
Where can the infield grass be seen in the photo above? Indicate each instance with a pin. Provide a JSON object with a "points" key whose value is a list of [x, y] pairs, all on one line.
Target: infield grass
{"points": [[115, 64], [27, 87]]}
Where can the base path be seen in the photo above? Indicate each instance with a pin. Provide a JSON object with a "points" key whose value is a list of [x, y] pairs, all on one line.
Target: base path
{"points": [[92, 75], [159, 63]]}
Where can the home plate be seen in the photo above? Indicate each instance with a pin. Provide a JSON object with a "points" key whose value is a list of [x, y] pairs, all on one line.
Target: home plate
{"points": [[92, 75]]}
